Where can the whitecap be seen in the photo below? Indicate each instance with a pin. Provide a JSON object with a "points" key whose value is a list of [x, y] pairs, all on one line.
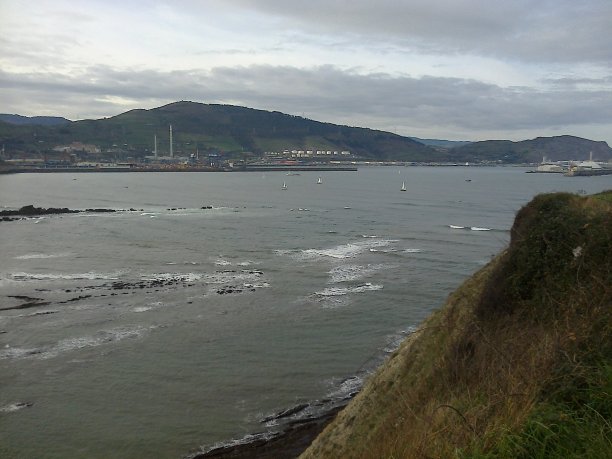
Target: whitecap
{"points": [[12, 407], [222, 262], [183, 277], [349, 385], [40, 256], [23, 276], [349, 250], [351, 272], [456, 227], [412, 250], [477, 228], [71, 344], [227, 277], [341, 291]]}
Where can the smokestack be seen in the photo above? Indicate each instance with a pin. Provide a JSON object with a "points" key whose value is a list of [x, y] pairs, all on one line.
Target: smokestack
{"points": [[155, 145], [171, 152]]}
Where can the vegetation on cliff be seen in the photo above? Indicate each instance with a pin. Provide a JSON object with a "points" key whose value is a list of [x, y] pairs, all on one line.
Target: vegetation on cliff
{"points": [[517, 364]]}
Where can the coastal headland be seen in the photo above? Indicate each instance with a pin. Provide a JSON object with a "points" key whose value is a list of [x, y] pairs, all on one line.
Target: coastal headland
{"points": [[515, 364]]}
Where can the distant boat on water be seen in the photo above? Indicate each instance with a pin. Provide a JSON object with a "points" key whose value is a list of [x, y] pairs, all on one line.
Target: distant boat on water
{"points": [[319, 181], [403, 188], [284, 186]]}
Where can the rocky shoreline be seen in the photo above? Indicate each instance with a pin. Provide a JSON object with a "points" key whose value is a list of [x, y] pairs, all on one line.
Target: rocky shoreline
{"points": [[286, 444]]}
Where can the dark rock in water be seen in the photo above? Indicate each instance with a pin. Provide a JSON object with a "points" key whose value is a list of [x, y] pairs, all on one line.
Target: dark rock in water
{"points": [[100, 210], [287, 412], [28, 302], [31, 211], [288, 444]]}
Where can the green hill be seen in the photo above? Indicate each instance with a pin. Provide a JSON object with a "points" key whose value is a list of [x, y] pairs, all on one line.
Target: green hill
{"points": [[517, 364], [563, 147], [224, 128], [240, 132]]}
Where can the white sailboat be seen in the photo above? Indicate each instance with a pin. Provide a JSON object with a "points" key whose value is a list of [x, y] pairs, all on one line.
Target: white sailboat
{"points": [[319, 181], [403, 188], [284, 186]]}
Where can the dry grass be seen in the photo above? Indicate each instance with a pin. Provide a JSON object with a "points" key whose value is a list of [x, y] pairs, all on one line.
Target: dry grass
{"points": [[520, 332]]}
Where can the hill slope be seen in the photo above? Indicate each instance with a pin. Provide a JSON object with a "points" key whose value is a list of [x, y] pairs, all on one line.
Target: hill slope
{"points": [[518, 363], [563, 147], [242, 132], [36, 120], [224, 128]]}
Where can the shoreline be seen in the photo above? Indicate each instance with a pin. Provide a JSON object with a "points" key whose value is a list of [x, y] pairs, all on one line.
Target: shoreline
{"points": [[288, 443]]}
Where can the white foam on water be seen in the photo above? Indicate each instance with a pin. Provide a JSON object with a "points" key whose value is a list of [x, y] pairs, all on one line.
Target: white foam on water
{"points": [[184, 277], [478, 228], [142, 309], [222, 262], [349, 250], [388, 250], [41, 256], [23, 276], [395, 340], [249, 438], [412, 250], [456, 227], [346, 387], [341, 291], [71, 344], [12, 407], [368, 236], [352, 272], [257, 285], [248, 263]]}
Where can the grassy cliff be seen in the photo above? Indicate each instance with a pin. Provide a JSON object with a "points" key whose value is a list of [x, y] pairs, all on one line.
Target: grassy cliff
{"points": [[518, 363]]}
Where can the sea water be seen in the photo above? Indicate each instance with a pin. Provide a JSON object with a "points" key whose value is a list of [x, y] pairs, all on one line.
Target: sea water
{"points": [[170, 327]]}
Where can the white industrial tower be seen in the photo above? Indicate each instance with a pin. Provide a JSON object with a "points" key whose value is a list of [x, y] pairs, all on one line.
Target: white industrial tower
{"points": [[171, 152], [155, 146]]}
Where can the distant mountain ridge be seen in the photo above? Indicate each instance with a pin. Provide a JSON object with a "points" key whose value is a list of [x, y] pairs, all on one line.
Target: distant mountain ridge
{"points": [[564, 147], [442, 143], [235, 131], [33, 120]]}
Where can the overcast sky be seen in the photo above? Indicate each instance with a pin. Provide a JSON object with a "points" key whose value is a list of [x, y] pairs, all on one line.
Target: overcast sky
{"points": [[446, 69]]}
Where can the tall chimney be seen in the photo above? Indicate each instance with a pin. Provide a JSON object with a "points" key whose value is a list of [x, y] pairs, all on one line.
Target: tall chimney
{"points": [[171, 152]]}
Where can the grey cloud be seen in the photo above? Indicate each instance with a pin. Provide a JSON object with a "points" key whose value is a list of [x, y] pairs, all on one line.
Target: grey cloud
{"points": [[325, 93], [532, 30]]}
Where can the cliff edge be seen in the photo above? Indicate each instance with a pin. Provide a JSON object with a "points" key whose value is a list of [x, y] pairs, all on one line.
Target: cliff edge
{"points": [[518, 362]]}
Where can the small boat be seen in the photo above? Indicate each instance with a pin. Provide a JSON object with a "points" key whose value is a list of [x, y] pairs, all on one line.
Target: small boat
{"points": [[319, 181], [284, 186], [403, 188]]}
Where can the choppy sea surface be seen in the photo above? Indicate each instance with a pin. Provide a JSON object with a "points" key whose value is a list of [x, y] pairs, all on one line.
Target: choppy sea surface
{"points": [[155, 332]]}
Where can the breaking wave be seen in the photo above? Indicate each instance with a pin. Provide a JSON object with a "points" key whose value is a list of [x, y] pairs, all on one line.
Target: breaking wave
{"points": [[71, 344], [341, 291]]}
